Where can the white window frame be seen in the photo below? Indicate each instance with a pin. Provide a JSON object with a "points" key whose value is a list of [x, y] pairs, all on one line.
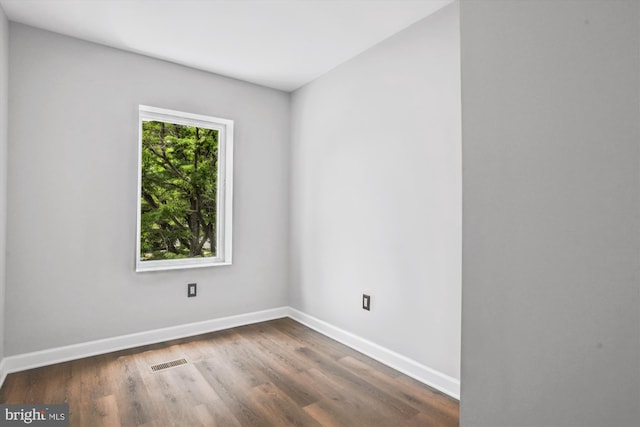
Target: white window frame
{"points": [[225, 187]]}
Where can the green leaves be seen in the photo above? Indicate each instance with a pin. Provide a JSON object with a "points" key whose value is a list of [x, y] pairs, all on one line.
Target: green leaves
{"points": [[179, 191]]}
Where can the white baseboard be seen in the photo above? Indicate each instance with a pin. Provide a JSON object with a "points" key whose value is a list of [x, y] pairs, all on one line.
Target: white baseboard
{"points": [[422, 373], [3, 372], [37, 359]]}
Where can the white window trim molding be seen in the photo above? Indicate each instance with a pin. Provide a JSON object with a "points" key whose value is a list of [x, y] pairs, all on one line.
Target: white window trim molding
{"points": [[225, 187]]}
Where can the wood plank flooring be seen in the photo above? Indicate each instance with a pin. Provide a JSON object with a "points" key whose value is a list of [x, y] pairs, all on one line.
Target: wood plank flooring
{"points": [[277, 373]]}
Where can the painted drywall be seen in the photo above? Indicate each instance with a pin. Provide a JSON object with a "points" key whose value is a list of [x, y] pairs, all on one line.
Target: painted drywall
{"points": [[4, 96], [72, 194], [550, 131], [376, 194]]}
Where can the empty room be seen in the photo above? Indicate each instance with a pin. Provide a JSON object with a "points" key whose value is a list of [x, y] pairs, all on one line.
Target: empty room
{"points": [[320, 213]]}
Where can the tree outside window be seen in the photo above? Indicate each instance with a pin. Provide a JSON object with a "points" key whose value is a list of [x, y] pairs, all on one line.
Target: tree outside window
{"points": [[181, 186]]}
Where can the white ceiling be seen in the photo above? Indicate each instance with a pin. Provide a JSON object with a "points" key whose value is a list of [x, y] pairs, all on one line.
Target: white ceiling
{"points": [[282, 44]]}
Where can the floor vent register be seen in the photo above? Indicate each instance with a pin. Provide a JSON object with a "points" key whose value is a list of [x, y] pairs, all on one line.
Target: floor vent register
{"points": [[167, 365]]}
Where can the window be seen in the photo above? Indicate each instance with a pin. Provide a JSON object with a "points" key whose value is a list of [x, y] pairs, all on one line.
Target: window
{"points": [[184, 190]]}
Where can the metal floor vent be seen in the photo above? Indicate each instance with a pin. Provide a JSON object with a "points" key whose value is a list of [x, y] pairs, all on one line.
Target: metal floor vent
{"points": [[166, 365]]}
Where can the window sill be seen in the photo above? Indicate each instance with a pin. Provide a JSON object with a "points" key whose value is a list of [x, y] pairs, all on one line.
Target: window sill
{"points": [[178, 264]]}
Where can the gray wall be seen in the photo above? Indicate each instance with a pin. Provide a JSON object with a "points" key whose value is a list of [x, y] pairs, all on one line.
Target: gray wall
{"points": [[376, 194], [72, 194], [550, 131], [4, 94]]}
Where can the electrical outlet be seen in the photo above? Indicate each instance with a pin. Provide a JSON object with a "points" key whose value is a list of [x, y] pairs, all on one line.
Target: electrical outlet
{"points": [[192, 290], [366, 302]]}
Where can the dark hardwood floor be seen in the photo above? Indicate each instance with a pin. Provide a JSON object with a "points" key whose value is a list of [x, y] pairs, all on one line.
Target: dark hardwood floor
{"points": [[277, 373]]}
